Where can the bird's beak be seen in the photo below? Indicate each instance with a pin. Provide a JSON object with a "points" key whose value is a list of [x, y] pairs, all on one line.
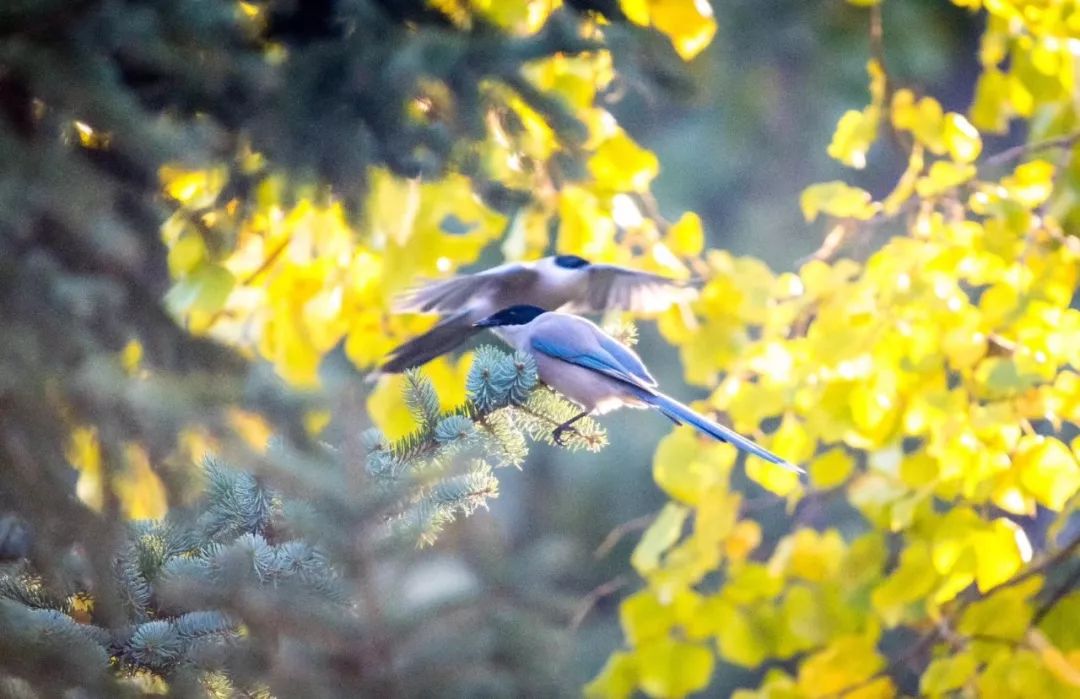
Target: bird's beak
{"points": [[485, 323]]}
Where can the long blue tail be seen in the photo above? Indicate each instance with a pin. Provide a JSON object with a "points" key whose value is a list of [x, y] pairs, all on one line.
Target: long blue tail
{"points": [[679, 414]]}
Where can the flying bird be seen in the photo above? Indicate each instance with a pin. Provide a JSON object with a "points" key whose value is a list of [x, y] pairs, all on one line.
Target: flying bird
{"points": [[600, 374], [565, 282]]}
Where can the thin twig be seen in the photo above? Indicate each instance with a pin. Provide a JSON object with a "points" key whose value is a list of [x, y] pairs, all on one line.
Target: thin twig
{"points": [[598, 593], [1058, 594], [616, 534], [1016, 152], [265, 265]]}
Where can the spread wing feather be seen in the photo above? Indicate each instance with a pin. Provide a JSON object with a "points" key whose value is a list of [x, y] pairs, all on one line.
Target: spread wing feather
{"points": [[611, 287]]}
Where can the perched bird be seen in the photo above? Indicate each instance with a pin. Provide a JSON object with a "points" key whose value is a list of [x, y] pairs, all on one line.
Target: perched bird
{"points": [[597, 372], [565, 282]]}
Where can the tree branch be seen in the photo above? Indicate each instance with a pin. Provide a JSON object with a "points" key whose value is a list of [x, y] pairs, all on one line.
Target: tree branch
{"points": [[1017, 152], [616, 534], [598, 593]]}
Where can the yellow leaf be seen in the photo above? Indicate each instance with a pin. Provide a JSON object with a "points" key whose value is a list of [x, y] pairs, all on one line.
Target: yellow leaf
{"points": [[990, 109], [637, 11], [1054, 660], [740, 639], [1031, 183], [1047, 470], [658, 538], [1018, 675], [584, 229], [923, 118], [943, 176], [911, 581], [855, 134], [644, 617], [688, 23], [809, 555], [194, 188], [752, 582], [948, 674], [670, 668], [745, 537], [688, 468], [315, 421], [387, 408], [84, 454], [880, 688], [131, 356], [141, 494], [619, 164], [961, 138], [520, 16], [617, 679], [964, 346], [836, 199], [1005, 614], [865, 560], [772, 477], [1001, 551], [846, 662], [875, 407], [251, 427], [686, 236]]}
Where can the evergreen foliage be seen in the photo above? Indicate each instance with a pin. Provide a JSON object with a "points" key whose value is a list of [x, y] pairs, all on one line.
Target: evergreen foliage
{"points": [[249, 578], [505, 403], [142, 144]]}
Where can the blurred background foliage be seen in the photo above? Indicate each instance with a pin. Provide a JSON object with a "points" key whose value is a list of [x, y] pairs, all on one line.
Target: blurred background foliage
{"points": [[206, 208]]}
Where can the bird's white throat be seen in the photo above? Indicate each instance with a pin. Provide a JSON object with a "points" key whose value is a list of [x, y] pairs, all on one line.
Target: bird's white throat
{"points": [[513, 335]]}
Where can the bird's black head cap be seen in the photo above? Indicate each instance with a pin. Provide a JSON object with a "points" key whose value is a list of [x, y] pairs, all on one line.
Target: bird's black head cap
{"points": [[570, 261], [514, 315]]}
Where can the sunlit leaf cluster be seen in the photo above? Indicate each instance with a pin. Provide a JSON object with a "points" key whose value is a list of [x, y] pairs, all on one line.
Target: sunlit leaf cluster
{"points": [[930, 388], [288, 271]]}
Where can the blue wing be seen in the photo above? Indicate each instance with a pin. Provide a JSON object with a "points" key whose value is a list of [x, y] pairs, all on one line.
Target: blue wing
{"points": [[627, 359], [607, 356]]}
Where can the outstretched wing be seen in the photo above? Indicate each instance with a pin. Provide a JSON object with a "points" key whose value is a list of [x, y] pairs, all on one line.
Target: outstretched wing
{"points": [[578, 341], [455, 294], [611, 287]]}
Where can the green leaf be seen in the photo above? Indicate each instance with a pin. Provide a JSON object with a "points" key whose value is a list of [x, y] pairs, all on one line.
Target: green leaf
{"points": [[205, 290], [658, 538], [1060, 623]]}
